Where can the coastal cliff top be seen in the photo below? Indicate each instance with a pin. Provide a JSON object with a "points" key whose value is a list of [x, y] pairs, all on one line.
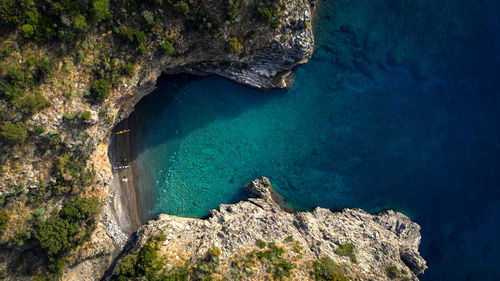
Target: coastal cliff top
{"points": [[256, 240]]}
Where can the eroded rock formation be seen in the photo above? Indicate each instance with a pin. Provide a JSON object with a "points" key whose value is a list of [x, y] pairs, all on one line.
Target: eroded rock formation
{"points": [[381, 241]]}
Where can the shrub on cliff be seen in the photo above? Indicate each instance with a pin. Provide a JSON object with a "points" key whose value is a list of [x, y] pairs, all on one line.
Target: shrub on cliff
{"points": [[9, 92], [43, 68], [347, 250], [80, 210], [260, 243], [85, 116], [235, 45], [54, 235], [327, 270], [63, 232], [100, 10], [99, 90], [28, 30], [4, 221], [31, 104], [79, 23], [182, 7], [166, 47], [15, 75], [146, 260], [126, 267], [232, 10], [393, 272], [130, 34], [10, 13], [270, 15], [14, 133], [71, 173], [128, 69]]}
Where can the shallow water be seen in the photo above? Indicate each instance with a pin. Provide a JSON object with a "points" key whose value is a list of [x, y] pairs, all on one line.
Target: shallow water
{"points": [[399, 108]]}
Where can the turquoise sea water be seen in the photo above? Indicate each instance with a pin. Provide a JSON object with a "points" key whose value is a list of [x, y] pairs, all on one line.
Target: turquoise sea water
{"points": [[398, 108]]}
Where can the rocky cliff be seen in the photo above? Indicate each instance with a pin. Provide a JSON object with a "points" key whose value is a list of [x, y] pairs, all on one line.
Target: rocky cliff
{"points": [[364, 246]]}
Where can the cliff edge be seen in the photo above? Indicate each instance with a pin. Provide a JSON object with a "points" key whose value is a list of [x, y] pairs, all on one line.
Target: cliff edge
{"points": [[253, 239]]}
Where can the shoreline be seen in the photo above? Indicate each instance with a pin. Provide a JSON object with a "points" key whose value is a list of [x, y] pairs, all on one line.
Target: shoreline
{"points": [[122, 152]]}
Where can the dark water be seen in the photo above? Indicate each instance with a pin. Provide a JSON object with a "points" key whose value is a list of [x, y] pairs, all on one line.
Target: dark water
{"points": [[399, 108]]}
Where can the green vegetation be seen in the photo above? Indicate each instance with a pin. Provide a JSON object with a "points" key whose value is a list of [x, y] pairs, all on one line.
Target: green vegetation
{"points": [[327, 270], [142, 49], [45, 21], [128, 69], [71, 174], [31, 104], [4, 221], [166, 47], [85, 116], [43, 68], [214, 251], [126, 267], [38, 130], [346, 250], [204, 268], [14, 133], [10, 13], [131, 35], [149, 17], [270, 14], [100, 10], [9, 92], [68, 117], [279, 267], [79, 23], [15, 75], [271, 258], [146, 261], [182, 7], [393, 272], [72, 226], [3, 273], [235, 45], [260, 243], [99, 90], [28, 30], [145, 265], [161, 237], [232, 10]]}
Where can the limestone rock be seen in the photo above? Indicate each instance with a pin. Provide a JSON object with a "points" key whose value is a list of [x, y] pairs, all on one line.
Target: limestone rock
{"points": [[380, 241]]}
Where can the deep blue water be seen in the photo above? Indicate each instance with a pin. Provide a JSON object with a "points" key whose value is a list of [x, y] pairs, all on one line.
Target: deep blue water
{"points": [[398, 108]]}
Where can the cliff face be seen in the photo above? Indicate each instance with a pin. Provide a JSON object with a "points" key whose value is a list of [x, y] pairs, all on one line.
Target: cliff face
{"points": [[379, 243]]}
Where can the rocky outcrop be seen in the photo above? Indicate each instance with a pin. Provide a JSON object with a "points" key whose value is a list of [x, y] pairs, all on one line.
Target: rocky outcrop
{"points": [[388, 239]]}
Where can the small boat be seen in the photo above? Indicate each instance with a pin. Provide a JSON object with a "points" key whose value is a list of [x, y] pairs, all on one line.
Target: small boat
{"points": [[122, 132], [121, 167]]}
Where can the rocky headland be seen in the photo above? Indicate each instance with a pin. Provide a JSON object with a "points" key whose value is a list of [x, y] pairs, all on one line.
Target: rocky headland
{"points": [[364, 246]]}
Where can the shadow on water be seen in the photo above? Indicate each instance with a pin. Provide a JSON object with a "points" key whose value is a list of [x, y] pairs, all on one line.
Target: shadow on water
{"points": [[176, 90]]}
